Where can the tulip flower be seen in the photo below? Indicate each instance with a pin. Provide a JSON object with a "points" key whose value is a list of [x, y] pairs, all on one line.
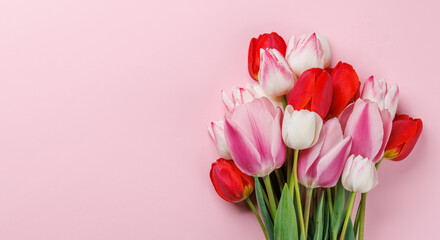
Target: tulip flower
{"points": [[380, 92], [322, 164], [239, 96], [275, 75], [404, 135], [345, 85], [312, 91], [217, 132], [360, 175], [369, 128], [300, 128], [258, 92], [310, 51], [264, 41], [229, 182], [253, 135]]}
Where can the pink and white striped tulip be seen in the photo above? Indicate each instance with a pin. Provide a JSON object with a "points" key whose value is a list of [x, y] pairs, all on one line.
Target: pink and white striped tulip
{"points": [[301, 128], [360, 174], [217, 132], [379, 91], [310, 51], [253, 135], [369, 128], [239, 96], [322, 164], [258, 92], [275, 75]]}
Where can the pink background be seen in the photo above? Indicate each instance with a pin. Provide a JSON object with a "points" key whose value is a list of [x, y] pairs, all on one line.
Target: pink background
{"points": [[104, 107]]}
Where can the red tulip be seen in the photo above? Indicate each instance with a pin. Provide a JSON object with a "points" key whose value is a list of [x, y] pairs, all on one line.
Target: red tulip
{"points": [[404, 135], [345, 85], [264, 41], [229, 182], [313, 92]]}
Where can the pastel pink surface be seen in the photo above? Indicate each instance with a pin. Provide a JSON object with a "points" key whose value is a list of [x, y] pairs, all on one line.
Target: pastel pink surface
{"points": [[104, 107]]}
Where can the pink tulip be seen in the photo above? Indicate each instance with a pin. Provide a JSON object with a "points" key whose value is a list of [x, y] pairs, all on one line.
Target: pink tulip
{"points": [[379, 91], [253, 135], [310, 51], [322, 164], [217, 132], [239, 96], [369, 128], [275, 75]]}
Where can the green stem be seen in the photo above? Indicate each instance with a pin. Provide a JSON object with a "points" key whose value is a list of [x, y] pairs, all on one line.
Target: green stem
{"points": [[273, 207], [289, 165], [309, 192], [294, 182], [280, 179], [362, 217], [251, 205], [347, 216], [330, 201], [356, 220]]}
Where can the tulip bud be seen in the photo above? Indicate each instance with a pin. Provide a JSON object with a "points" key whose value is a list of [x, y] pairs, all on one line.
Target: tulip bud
{"points": [[264, 41], [360, 175], [229, 182], [311, 51], [312, 91], [217, 133], [380, 92], [322, 164], [253, 135], [239, 96], [275, 75], [404, 135], [300, 128], [345, 85]]}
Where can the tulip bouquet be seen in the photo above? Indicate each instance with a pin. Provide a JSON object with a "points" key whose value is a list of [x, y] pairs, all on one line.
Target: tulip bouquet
{"points": [[307, 138]]}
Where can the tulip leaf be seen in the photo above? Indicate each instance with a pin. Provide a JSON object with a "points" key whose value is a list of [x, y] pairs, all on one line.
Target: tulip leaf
{"points": [[319, 230], [285, 218], [326, 223], [349, 233], [263, 209], [338, 213]]}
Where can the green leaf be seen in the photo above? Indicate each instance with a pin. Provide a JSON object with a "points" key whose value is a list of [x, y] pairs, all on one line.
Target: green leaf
{"points": [[263, 209], [338, 213], [285, 219], [327, 223], [349, 233], [319, 230]]}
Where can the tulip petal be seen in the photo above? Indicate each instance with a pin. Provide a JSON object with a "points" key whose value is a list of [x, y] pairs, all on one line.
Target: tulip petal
{"points": [[392, 99], [345, 115], [387, 121], [409, 145], [303, 90], [228, 101], [322, 94], [278, 149], [332, 163], [243, 151], [217, 133], [365, 126], [275, 75], [345, 85], [402, 131]]}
